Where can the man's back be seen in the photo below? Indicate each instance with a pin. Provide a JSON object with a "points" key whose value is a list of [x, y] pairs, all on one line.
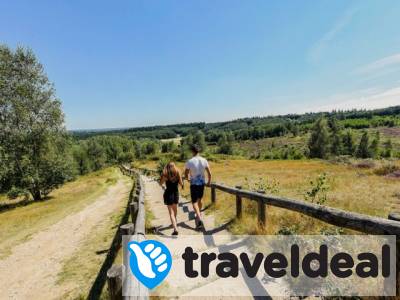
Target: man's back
{"points": [[197, 166]]}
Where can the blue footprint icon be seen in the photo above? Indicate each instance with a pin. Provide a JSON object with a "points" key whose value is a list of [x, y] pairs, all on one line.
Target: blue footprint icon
{"points": [[150, 261]]}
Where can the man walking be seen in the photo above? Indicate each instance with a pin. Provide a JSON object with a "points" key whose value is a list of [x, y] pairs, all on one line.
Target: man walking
{"points": [[196, 167]]}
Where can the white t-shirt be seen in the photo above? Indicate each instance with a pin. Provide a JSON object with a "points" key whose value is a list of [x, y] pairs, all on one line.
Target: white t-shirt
{"points": [[197, 165]]}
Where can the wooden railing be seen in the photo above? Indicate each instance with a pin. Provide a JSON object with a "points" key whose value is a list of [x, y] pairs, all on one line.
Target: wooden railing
{"points": [[136, 230], [334, 216]]}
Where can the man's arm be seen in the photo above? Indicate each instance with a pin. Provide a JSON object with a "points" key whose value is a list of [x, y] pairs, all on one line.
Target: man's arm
{"points": [[208, 175], [186, 174]]}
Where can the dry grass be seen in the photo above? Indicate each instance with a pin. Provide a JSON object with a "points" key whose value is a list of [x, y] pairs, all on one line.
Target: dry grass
{"points": [[80, 270], [18, 224], [350, 188]]}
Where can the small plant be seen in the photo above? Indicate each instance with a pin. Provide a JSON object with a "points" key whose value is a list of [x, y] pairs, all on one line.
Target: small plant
{"points": [[271, 187], [288, 230], [318, 190], [331, 231], [161, 165]]}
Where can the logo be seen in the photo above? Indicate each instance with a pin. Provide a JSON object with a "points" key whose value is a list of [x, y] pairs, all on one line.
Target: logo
{"points": [[150, 261]]}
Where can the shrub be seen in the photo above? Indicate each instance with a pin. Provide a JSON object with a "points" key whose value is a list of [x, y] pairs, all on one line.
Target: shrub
{"points": [[386, 170], [318, 190], [16, 192], [365, 164]]}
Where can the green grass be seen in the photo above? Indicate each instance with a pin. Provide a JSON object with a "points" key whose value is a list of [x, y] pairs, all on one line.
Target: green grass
{"points": [[18, 224]]}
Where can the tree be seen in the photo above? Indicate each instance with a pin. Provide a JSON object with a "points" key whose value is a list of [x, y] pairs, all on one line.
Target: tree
{"points": [[96, 154], [387, 148], [363, 147], [225, 143], [32, 133], [348, 143], [200, 140], [374, 147], [318, 143], [336, 143], [81, 158]]}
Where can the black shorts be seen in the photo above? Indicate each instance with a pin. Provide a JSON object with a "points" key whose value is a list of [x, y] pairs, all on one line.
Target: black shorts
{"points": [[196, 192], [171, 197]]}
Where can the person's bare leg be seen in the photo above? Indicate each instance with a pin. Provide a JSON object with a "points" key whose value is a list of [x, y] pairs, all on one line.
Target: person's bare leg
{"points": [[196, 209], [175, 208], [172, 217]]}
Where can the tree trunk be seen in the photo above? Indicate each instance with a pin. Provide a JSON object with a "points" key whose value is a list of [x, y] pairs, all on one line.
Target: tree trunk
{"points": [[36, 194]]}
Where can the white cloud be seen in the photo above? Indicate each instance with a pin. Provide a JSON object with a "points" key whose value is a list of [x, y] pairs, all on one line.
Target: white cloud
{"points": [[380, 64], [371, 98], [316, 50]]}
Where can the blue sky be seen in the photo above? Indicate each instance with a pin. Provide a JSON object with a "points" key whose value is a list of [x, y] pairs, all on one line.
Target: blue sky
{"points": [[133, 63]]}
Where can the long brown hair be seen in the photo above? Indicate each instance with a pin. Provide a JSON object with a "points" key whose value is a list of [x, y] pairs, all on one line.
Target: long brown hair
{"points": [[171, 172]]}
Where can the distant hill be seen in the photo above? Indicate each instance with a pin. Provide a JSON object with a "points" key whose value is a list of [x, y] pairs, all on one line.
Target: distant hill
{"points": [[257, 127]]}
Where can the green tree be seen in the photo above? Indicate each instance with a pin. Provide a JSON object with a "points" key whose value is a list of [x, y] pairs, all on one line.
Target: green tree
{"points": [[374, 147], [81, 159], [225, 143], [96, 154], [348, 143], [336, 142], [363, 147], [32, 134], [318, 143], [200, 140], [387, 148]]}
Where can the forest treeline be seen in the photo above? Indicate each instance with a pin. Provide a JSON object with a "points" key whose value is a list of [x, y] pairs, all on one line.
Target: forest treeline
{"points": [[38, 154], [261, 127]]}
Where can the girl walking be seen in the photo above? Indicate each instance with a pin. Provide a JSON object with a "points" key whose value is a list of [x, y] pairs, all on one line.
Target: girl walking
{"points": [[171, 177]]}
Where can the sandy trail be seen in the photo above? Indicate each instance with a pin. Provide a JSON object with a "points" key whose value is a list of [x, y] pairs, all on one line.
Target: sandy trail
{"points": [[186, 226], [30, 272]]}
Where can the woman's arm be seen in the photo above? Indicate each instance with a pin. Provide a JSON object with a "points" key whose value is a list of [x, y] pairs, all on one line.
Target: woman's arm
{"points": [[180, 180], [162, 179]]}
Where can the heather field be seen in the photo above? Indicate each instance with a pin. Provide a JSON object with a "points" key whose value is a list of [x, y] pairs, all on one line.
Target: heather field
{"points": [[363, 186]]}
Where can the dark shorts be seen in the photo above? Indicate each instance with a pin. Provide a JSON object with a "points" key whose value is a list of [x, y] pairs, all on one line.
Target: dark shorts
{"points": [[171, 197], [196, 192]]}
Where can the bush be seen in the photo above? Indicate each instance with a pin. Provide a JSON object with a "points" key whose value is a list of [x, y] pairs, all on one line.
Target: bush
{"points": [[386, 170], [365, 164], [16, 192]]}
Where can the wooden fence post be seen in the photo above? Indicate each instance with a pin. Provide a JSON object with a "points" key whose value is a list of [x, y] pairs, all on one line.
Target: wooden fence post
{"points": [[133, 206], [262, 215], [127, 229], [213, 195], [395, 216], [114, 282], [238, 204]]}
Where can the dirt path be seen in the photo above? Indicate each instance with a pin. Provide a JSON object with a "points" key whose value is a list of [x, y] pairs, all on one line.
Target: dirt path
{"points": [[30, 272], [186, 226], [186, 216]]}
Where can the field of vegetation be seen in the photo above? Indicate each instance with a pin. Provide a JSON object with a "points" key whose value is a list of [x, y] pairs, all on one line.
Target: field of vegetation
{"points": [[360, 186]]}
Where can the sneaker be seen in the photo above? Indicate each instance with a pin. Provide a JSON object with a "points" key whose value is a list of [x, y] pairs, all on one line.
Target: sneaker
{"points": [[200, 225], [175, 232]]}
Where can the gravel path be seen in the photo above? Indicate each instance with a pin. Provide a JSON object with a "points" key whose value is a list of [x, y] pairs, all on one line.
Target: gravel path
{"points": [[30, 272]]}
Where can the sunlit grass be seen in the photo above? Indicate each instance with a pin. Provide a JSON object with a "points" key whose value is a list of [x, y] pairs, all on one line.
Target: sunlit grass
{"points": [[18, 224], [350, 188]]}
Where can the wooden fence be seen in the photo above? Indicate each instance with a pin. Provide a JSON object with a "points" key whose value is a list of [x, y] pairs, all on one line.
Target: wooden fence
{"points": [[137, 231], [334, 216]]}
